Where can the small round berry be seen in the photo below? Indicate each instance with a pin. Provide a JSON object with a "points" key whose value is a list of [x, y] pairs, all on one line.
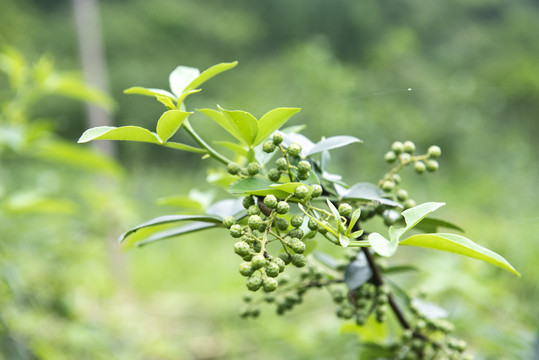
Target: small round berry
{"points": [[254, 283], [256, 246], [253, 210], [248, 257], [246, 269], [282, 207], [408, 147], [402, 194], [301, 192], [270, 201], [274, 175], [337, 296], [268, 146], [242, 248], [233, 168], [229, 221], [262, 227], [304, 176], [253, 168], [390, 156], [297, 233], [269, 284], [297, 245], [281, 164], [299, 260], [280, 263], [248, 201], [285, 257], [345, 209], [259, 261], [294, 149], [432, 165], [281, 224], [273, 269], [397, 147], [410, 203], [304, 166], [277, 138], [254, 222], [434, 151], [313, 225], [317, 190], [236, 230], [388, 186], [405, 158], [296, 221], [396, 178], [345, 312], [420, 167], [321, 229]]}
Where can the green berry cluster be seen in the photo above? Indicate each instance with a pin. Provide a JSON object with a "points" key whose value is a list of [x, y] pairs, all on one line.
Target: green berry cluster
{"points": [[251, 169]]}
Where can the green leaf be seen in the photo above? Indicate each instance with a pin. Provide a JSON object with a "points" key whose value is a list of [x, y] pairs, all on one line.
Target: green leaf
{"points": [[399, 269], [244, 122], [167, 234], [344, 240], [224, 122], [162, 220], [237, 148], [209, 73], [184, 147], [181, 77], [431, 225], [271, 121], [383, 246], [289, 187], [169, 123], [256, 186], [365, 191], [353, 220], [333, 142], [414, 215], [138, 90], [125, 133], [75, 88], [459, 245], [182, 97], [165, 100]]}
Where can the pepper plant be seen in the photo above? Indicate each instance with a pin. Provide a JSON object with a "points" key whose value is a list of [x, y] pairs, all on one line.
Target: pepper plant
{"points": [[281, 201]]}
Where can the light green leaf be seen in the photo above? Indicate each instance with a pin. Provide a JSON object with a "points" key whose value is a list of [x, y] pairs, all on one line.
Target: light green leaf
{"points": [[272, 121], [335, 212], [289, 187], [353, 220], [344, 240], [224, 122], [256, 186], [124, 133], [209, 73], [184, 147], [333, 142], [75, 88], [165, 100], [139, 90], [431, 225], [414, 215], [181, 77], [186, 94], [459, 245], [244, 122], [169, 123], [383, 246]]}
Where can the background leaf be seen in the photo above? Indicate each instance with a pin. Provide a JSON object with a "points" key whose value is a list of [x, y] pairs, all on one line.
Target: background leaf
{"points": [[124, 133], [357, 272]]}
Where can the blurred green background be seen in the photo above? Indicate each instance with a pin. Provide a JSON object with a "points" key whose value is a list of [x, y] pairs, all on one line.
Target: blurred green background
{"points": [[473, 70]]}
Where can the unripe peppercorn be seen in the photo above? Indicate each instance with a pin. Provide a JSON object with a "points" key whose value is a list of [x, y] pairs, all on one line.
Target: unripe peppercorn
{"points": [[408, 147], [246, 269], [280, 263], [388, 185], [268, 146], [285, 257], [274, 175], [313, 225], [345, 312], [294, 149], [396, 178], [303, 176], [242, 248], [277, 138], [420, 167], [434, 151], [281, 224], [304, 166], [297, 233], [297, 245], [432, 165], [259, 261], [269, 284], [282, 207], [235, 230], [254, 283], [281, 164], [397, 147], [254, 222], [402, 194], [390, 156], [317, 190], [321, 229], [405, 158], [273, 269], [229, 221], [253, 210], [270, 201], [301, 192], [410, 203], [253, 168], [299, 260], [248, 201], [296, 221], [345, 210], [256, 246], [233, 168]]}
